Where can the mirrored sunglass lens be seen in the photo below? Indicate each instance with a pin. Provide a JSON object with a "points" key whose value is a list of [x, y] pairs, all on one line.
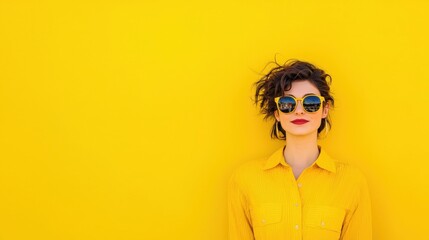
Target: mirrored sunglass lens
{"points": [[286, 104], [312, 103]]}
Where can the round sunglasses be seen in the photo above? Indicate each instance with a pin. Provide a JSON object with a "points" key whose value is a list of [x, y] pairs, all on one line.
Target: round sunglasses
{"points": [[310, 103]]}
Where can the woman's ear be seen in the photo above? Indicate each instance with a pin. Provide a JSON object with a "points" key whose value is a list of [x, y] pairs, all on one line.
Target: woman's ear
{"points": [[276, 115], [325, 110]]}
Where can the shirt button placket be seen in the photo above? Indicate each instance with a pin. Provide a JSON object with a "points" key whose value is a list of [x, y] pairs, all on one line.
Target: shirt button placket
{"points": [[297, 208], [295, 205]]}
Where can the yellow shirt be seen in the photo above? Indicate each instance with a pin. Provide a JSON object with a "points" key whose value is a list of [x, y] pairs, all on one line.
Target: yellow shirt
{"points": [[329, 200]]}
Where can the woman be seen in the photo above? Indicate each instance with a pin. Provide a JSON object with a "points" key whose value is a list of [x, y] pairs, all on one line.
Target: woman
{"points": [[298, 192]]}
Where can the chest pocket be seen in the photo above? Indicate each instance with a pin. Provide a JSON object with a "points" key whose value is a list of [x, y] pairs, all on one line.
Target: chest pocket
{"points": [[322, 222], [266, 214]]}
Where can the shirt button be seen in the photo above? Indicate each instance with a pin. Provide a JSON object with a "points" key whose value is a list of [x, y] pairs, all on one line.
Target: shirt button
{"points": [[297, 227], [322, 224], [263, 221], [299, 185], [296, 204]]}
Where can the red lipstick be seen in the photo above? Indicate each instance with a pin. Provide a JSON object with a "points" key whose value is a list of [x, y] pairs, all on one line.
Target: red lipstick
{"points": [[299, 121]]}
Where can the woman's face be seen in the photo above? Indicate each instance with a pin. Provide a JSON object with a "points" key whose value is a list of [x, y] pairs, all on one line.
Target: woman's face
{"points": [[299, 89]]}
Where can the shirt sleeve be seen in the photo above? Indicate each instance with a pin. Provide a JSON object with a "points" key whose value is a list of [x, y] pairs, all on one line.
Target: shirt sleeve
{"points": [[359, 225], [239, 223]]}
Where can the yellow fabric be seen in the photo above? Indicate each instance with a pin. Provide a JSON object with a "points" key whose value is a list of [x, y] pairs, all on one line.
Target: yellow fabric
{"points": [[330, 200]]}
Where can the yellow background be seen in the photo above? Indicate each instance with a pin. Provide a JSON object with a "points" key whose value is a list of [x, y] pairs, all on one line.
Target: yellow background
{"points": [[124, 120]]}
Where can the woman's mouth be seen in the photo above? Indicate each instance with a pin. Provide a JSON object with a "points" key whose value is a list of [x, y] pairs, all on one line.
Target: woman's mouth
{"points": [[299, 121]]}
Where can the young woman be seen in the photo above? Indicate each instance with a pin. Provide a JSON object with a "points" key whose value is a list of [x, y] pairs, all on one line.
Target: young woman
{"points": [[298, 192]]}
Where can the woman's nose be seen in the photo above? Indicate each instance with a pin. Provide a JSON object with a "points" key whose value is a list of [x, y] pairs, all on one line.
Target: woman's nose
{"points": [[299, 108]]}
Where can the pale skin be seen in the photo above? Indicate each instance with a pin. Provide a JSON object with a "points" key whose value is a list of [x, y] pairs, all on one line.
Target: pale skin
{"points": [[301, 142]]}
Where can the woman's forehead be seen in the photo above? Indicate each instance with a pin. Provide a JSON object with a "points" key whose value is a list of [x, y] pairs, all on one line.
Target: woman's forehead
{"points": [[301, 88]]}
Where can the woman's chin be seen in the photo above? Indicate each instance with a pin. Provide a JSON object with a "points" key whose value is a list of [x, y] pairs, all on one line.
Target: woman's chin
{"points": [[302, 133]]}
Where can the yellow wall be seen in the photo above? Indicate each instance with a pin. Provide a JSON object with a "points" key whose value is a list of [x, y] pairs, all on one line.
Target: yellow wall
{"points": [[124, 120]]}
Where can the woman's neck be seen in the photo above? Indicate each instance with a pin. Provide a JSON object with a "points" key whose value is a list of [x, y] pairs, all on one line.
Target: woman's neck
{"points": [[301, 151]]}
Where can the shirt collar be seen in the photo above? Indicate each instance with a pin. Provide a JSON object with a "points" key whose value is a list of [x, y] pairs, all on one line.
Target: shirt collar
{"points": [[322, 161]]}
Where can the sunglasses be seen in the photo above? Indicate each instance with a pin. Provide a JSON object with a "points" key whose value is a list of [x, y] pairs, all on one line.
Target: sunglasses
{"points": [[310, 103]]}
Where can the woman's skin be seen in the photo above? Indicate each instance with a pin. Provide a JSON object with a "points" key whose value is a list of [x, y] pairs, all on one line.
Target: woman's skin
{"points": [[301, 142]]}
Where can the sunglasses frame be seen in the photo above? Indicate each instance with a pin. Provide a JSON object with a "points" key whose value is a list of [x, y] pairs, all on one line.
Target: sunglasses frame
{"points": [[321, 98]]}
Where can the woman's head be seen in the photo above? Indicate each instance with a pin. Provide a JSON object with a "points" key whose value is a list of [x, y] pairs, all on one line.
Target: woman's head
{"points": [[296, 79]]}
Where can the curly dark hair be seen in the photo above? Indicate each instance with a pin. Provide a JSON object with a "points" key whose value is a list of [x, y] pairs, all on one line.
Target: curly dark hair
{"points": [[280, 78]]}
